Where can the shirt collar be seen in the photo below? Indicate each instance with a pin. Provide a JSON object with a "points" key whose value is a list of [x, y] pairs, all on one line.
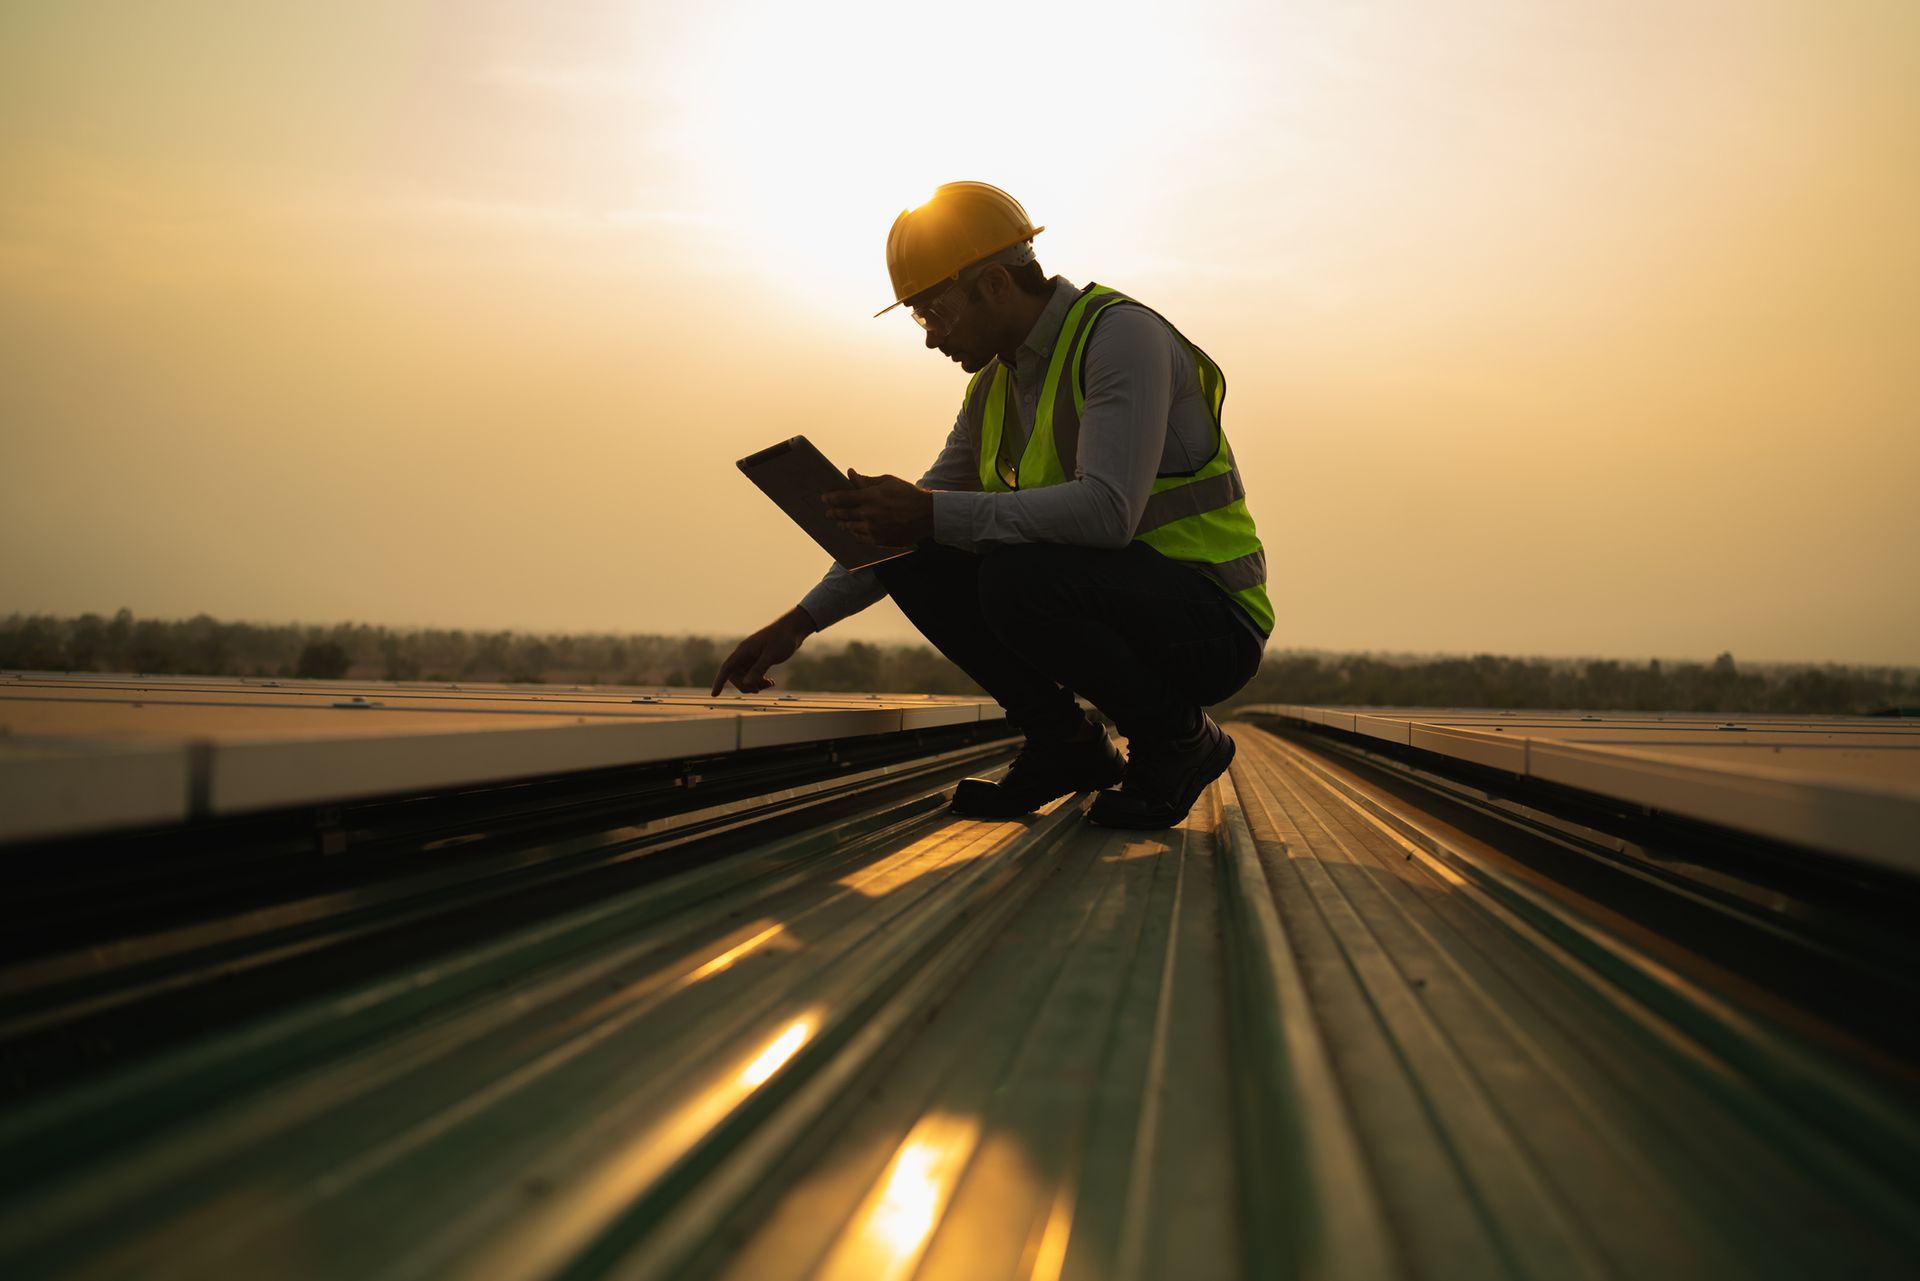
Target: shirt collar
{"points": [[1039, 342]]}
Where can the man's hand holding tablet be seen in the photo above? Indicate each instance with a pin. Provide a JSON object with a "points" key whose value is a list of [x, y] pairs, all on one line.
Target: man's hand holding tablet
{"points": [[885, 510]]}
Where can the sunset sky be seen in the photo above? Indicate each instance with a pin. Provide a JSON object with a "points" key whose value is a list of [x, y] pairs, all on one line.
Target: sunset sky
{"points": [[1550, 327]]}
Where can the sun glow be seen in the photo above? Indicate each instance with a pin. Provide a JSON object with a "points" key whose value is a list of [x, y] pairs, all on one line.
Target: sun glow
{"points": [[812, 156]]}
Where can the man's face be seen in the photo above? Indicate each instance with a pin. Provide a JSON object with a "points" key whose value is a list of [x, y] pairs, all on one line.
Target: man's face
{"points": [[958, 323]]}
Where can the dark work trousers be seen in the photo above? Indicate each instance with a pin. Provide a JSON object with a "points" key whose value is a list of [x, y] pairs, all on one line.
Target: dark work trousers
{"points": [[1144, 639]]}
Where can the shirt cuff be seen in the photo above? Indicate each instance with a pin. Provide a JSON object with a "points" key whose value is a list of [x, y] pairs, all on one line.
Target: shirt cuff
{"points": [[841, 594], [954, 513]]}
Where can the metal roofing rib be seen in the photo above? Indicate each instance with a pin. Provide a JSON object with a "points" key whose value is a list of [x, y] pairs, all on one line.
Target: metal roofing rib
{"points": [[1314, 1031]]}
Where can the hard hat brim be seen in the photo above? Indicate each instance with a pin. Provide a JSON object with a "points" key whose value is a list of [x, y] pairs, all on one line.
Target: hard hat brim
{"points": [[897, 302]]}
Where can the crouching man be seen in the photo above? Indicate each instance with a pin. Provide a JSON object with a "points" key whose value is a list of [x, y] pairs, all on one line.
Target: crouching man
{"points": [[1084, 530]]}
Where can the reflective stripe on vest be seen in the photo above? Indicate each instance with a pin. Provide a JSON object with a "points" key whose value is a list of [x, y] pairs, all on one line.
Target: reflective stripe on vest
{"points": [[1198, 518]]}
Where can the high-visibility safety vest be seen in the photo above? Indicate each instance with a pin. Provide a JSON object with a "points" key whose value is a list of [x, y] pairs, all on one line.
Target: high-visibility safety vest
{"points": [[1198, 518]]}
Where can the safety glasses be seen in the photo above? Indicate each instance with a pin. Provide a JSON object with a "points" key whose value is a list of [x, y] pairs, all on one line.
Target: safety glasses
{"points": [[938, 313]]}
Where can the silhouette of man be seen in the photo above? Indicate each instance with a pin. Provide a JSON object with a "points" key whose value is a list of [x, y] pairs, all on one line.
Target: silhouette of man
{"points": [[1084, 531]]}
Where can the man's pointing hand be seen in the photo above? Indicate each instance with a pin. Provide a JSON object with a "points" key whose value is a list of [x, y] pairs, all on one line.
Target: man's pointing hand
{"points": [[773, 644], [883, 510]]}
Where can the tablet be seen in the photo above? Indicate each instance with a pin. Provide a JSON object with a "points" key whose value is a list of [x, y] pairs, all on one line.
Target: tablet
{"points": [[794, 474]]}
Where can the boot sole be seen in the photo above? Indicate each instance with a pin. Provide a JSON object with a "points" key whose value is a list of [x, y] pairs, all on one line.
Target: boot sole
{"points": [[980, 798], [1107, 809]]}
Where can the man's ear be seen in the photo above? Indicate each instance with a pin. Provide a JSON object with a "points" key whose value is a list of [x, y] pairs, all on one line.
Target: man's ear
{"points": [[996, 283]]}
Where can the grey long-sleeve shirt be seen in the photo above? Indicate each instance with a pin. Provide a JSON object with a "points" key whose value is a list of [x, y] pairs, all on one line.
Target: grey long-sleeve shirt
{"points": [[1143, 416]]}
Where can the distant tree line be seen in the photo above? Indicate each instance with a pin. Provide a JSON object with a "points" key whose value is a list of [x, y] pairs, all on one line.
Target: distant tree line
{"points": [[1486, 680], [204, 646]]}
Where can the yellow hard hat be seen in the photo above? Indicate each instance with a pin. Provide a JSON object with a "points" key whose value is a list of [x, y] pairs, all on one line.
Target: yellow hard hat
{"points": [[962, 223]]}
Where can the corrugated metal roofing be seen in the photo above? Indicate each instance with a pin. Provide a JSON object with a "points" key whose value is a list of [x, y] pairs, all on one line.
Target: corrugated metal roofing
{"points": [[1342, 1022]]}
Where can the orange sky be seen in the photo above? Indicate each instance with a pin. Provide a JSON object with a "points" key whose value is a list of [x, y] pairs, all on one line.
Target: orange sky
{"points": [[1548, 327]]}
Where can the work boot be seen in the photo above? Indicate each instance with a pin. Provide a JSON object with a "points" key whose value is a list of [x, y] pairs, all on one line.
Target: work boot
{"points": [[1164, 779], [1041, 772]]}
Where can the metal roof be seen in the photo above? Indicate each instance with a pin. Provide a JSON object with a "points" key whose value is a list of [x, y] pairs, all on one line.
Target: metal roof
{"points": [[1354, 1018]]}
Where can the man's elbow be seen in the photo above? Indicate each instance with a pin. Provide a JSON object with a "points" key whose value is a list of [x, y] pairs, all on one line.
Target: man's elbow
{"points": [[1100, 517], [1112, 535], [1111, 524]]}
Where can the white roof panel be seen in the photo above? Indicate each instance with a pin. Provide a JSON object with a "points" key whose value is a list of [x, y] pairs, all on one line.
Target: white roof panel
{"points": [[1848, 785], [91, 753]]}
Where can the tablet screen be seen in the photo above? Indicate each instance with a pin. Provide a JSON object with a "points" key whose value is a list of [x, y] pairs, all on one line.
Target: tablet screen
{"points": [[794, 474]]}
